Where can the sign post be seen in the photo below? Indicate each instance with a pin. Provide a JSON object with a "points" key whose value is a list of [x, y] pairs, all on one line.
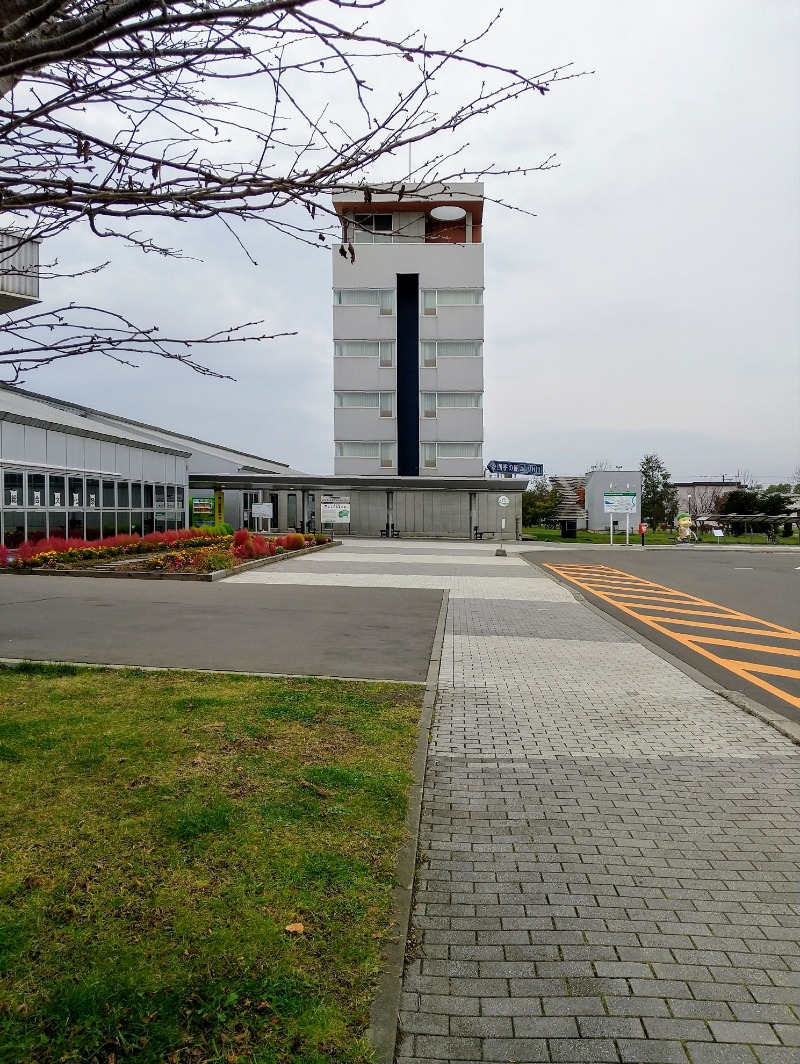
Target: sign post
{"points": [[619, 502], [502, 502], [262, 510], [334, 510]]}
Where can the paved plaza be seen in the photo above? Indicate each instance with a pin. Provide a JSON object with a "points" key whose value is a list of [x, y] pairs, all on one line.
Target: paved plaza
{"points": [[609, 858]]}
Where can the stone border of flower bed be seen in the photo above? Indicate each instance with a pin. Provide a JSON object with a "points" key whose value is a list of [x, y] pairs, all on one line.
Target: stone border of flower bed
{"points": [[219, 574]]}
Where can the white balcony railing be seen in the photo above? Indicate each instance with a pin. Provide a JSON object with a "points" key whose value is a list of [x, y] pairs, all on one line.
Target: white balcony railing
{"points": [[19, 271]]}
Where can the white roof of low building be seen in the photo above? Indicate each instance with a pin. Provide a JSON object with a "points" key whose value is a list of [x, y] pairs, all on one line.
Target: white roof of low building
{"points": [[19, 405]]}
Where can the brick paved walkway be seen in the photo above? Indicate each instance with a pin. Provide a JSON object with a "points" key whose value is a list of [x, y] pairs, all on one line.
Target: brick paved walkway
{"points": [[610, 857]]}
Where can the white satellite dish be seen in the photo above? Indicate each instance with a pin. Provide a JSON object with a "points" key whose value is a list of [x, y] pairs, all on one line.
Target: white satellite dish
{"points": [[448, 214]]}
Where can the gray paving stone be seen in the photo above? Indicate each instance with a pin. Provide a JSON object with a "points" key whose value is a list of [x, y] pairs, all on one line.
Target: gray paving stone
{"points": [[652, 1051], [752, 1033], [605, 839], [583, 1050], [714, 1053]]}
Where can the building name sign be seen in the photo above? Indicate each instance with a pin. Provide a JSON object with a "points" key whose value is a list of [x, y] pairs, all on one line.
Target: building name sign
{"points": [[523, 469], [335, 509], [619, 502]]}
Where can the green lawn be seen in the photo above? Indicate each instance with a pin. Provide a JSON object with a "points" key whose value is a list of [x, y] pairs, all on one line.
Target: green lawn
{"points": [[159, 831], [553, 535]]}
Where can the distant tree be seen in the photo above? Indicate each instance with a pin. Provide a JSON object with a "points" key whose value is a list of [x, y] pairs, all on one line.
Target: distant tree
{"points": [[539, 503], [659, 494], [796, 478], [749, 501], [778, 489], [749, 480], [604, 463], [708, 497]]}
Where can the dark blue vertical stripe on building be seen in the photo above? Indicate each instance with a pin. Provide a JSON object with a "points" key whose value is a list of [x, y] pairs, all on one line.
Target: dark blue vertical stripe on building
{"points": [[408, 374]]}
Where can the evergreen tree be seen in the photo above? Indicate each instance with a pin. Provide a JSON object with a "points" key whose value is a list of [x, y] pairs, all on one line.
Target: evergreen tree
{"points": [[659, 494]]}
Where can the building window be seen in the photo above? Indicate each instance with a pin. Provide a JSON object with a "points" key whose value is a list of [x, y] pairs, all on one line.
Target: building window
{"points": [[381, 401], [387, 455], [432, 350], [432, 298], [430, 402], [92, 497], [75, 492], [123, 494], [57, 495], [12, 489], [372, 229], [432, 453], [36, 495], [384, 452], [383, 298], [383, 350], [109, 499], [459, 450]]}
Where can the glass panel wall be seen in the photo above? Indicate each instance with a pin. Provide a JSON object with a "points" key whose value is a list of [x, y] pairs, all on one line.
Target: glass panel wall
{"points": [[93, 524], [37, 504], [56, 495], [57, 524], [36, 495], [12, 488], [37, 524]]}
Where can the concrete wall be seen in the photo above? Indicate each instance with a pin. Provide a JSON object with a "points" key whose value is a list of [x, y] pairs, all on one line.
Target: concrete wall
{"points": [[599, 481]]}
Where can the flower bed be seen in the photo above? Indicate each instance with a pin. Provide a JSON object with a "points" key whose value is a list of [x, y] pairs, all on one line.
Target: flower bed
{"points": [[52, 551], [186, 552]]}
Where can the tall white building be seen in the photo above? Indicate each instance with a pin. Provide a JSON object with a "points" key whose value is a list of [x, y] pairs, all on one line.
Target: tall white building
{"points": [[408, 332]]}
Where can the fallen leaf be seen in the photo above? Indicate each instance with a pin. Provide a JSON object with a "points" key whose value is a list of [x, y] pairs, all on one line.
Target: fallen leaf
{"points": [[323, 792], [295, 929]]}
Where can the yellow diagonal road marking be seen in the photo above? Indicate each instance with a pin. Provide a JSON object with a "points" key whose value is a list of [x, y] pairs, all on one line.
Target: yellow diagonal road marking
{"points": [[632, 595]]}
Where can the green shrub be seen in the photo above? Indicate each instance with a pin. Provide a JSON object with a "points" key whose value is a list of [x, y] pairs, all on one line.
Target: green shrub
{"points": [[219, 559]]}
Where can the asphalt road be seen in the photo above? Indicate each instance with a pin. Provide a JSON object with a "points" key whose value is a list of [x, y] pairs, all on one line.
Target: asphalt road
{"points": [[368, 633], [764, 584]]}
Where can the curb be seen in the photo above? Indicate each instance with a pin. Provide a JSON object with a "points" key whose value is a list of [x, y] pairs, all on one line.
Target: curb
{"points": [[385, 1011]]}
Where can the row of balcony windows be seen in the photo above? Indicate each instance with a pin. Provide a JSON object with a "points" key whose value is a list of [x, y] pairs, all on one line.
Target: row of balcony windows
{"points": [[430, 453], [430, 299], [430, 351], [430, 403]]}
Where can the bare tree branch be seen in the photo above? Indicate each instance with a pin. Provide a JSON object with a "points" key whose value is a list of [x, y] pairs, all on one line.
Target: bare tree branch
{"points": [[43, 338], [114, 113]]}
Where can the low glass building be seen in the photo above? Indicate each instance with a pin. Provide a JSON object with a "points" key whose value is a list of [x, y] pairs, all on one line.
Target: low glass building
{"points": [[64, 473]]}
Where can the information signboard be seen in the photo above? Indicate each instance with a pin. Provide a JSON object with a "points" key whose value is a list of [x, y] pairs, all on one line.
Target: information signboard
{"points": [[522, 469], [619, 502], [335, 509], [262, 509]]}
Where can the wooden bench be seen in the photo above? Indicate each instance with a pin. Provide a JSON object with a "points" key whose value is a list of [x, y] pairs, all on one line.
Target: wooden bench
{"points": [[477, 534]]}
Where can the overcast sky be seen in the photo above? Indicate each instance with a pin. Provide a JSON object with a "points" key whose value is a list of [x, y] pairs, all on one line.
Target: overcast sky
{"points": [[651, 305]]}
